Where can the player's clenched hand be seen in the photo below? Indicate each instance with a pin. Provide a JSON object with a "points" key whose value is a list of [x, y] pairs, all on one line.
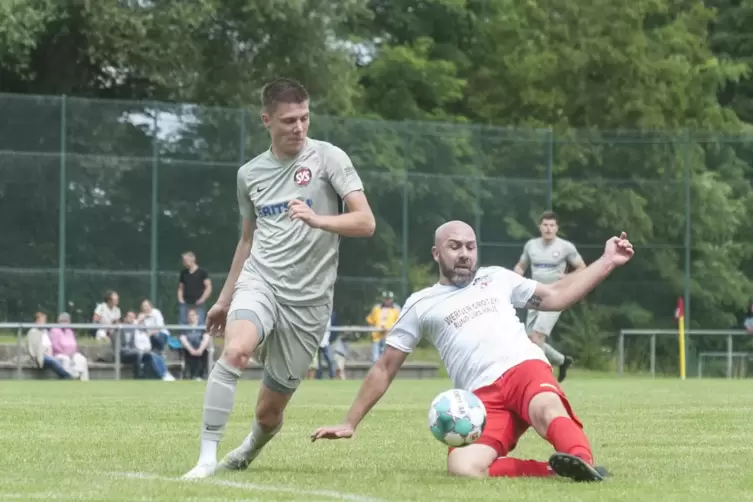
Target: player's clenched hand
{"points": [[299, 210], [619, 250], [332, 432], [217, 318]]}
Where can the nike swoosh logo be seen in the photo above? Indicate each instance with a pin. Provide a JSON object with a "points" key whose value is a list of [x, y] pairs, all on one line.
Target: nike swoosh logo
{"points": [[260, 189]]}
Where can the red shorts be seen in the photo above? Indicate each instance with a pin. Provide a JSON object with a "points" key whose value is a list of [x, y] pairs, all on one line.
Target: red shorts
{"points": [[507, 399]]}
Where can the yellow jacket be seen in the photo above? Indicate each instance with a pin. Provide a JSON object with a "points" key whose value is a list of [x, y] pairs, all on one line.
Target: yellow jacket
{"points": [[382, 317]]}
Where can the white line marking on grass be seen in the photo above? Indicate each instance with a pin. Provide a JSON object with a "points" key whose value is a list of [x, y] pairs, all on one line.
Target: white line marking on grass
{"points": [[43, 496], [253, 486]]}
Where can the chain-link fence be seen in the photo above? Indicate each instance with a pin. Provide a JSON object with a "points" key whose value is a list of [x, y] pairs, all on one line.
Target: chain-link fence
{"points": [[98, 195]]}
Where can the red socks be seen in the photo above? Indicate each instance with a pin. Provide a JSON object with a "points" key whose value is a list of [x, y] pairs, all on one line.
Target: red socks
{"points": [[567, 437], [507, 467]]}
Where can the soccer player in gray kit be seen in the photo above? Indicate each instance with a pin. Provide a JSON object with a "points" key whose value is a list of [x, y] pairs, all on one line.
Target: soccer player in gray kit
{"points": [[548, 257], [277, 298]]}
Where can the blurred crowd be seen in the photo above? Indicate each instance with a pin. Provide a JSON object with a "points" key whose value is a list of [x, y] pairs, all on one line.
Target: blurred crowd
{"points": [[140, 339], [143, 342]]}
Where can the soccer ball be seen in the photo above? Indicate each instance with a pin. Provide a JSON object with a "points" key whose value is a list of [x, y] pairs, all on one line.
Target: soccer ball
{"points": [[457, 417]]}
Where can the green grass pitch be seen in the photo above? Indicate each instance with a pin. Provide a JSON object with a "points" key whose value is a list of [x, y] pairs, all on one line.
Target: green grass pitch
{"points": [[662, 440]]}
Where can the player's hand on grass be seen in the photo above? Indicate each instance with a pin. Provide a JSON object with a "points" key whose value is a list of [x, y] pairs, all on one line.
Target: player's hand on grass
{"points": [[217, 318], [333, 432], [299, 210], [619, 250]]}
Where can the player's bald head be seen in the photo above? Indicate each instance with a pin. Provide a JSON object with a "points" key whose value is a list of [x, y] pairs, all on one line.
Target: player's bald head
{"points": [[455, 252], [457, 229]]}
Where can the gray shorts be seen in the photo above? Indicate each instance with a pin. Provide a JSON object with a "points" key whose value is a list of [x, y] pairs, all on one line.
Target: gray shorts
{"points": [[290, 333], [541, 322]]}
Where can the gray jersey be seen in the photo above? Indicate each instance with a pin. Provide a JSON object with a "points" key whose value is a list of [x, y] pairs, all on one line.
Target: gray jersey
{"points": [[298, 262], [548, 260]]}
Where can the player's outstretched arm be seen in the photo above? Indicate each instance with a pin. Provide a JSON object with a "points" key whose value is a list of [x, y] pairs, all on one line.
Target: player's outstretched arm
{"points": [[573, 287], [374, 386]]}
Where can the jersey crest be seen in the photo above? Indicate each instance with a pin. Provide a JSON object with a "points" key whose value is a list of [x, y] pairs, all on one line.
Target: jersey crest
{"points": [[302, 176], [482, 281]]}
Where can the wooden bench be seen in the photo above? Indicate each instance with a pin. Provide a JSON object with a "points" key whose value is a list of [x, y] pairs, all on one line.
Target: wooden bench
{"points": [[106, 371]]}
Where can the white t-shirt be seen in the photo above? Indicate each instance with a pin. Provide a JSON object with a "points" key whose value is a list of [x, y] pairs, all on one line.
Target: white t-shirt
{"points": [[106, 314], [141, 341], [475, 329], [46, 342], [153, 319]]}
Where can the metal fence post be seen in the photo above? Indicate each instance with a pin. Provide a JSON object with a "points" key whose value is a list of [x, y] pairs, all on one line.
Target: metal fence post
{"points": [[19, 352], [153, 255], [242, 137], [405, 286], [241, 154], [550, 170], [118, 341], [620, 353], [653, 355], [729, 356], [688, 223], [62, 204]]}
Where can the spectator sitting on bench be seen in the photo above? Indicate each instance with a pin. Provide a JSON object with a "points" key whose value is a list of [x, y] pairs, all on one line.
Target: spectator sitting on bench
{"points": [[65, 349], [136, 349], [40, 349], [107, 312], [195, 343], [158, 337]]}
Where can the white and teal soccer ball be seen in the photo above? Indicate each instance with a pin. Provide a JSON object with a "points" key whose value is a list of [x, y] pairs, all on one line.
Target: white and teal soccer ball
{"points": [[457, 417]]}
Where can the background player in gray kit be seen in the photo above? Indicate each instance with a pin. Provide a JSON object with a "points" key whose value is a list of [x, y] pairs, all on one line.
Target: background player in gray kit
{"points": [[548, 257], [277, 301]]}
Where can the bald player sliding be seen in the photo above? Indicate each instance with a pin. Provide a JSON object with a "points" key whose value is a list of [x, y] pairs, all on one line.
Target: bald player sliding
{"points": [[469, 316], [549, 257], [278, 293]]}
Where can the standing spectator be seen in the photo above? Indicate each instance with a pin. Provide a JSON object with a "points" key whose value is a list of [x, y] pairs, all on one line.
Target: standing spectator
{"points": [[40, 348], [195, 343], [194, 288], [107, 312], [383, 316], [65, 349]]}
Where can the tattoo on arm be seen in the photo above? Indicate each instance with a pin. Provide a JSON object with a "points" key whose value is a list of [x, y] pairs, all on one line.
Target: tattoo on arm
{"points": [[534, 301]]}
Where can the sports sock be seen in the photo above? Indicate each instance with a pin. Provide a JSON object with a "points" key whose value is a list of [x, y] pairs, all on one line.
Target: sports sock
{"points": [[508, 467], [219, 398], [567, 437], [555, 357], [259, 437]]}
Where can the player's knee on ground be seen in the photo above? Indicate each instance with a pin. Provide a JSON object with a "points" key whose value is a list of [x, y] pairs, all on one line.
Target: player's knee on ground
{"points": [[471, 461], [270, 407], [241, 339], [544, 408]]}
